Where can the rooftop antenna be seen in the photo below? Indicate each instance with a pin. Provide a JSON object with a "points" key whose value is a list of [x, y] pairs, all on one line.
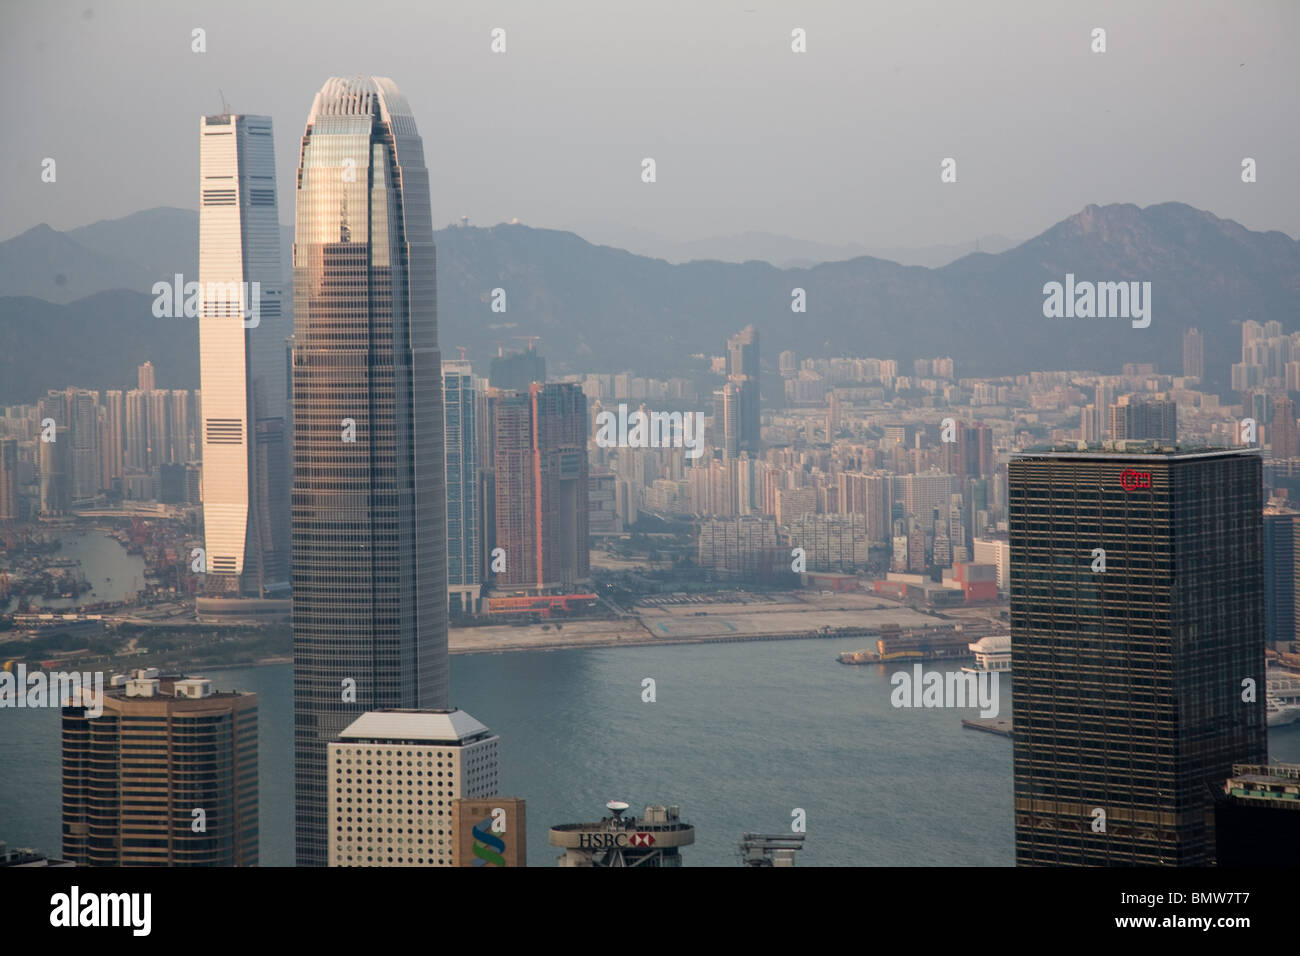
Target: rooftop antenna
{"points": [[461, 350], [225, 109]]}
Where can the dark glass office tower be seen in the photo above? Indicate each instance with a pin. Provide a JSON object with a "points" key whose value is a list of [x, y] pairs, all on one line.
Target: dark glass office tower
{"points": [[1281, 576], [369, 511], [743, 374], [1128, 682]]}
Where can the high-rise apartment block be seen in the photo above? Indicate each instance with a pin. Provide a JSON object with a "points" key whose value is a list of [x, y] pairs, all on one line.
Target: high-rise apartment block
{"points": [[1157, 420], [1137, 625], [165, 776], [9, 480], [1282, 429], [539, 443], [1193, 354]]}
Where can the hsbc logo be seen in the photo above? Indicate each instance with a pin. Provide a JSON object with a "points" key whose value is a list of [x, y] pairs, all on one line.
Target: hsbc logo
{"points": [[605, 841], [1131, 480]]}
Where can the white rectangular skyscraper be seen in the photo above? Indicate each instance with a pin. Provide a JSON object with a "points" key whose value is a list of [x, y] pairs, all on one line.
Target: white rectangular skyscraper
{"points": [[430, 758], [241, 334]]}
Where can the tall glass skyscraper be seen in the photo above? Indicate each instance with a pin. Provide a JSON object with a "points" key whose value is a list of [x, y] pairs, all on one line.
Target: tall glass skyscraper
{"points": [[1137, 673], [241, 326], [743, 373], [464, 539], [369, 508]]}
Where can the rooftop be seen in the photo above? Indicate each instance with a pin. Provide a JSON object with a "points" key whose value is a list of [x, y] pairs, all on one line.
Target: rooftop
{"points": [[424, 726], [1128, 449]]}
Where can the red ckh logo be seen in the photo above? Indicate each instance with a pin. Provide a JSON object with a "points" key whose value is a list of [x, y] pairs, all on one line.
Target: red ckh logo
{"points": [[642, 839], [1132, 480]]}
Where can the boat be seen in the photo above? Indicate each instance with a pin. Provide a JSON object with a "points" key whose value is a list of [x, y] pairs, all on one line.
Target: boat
{"points": [[1280, 714], [992, 655], [1282, 701]]}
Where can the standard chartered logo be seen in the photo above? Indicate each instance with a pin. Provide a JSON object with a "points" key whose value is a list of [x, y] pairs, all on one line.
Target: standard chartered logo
{"points": [[488, 846]]}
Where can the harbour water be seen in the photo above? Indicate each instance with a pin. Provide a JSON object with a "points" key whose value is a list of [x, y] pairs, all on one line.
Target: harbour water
{"points": [[114, 575], [739, 736]]}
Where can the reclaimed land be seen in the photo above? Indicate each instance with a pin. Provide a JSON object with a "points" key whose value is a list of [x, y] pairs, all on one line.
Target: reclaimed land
{"points": [[661, 621]]}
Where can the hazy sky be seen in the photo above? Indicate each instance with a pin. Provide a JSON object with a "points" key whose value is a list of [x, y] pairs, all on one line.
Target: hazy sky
{"points": [[840, 144]]}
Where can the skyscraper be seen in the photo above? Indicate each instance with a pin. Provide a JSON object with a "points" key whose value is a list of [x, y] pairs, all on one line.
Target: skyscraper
{"points": [[1281, 576], [743, 373], [1193, 354], [241, 334], [408, 829], [145, 377], [1282, 430], [160, 427], [84, 419], [8, 479], [727, 422], [116, 436], [180, 427], [1145, 420], [1130, 677], [369, 507], [971, 455], [136, 439], [516, 371], [163, 748], [539, 442], [56, 472], [464, 540]]}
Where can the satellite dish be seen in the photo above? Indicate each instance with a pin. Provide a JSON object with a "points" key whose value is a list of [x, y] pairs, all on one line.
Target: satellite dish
{"points": [[617, 807]]}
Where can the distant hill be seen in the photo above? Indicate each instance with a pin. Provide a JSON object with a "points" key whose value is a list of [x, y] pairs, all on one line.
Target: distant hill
{"points": [[56, 267], [129, 253], [596, 308], [613, 310], [781, 251], [96, 342]]}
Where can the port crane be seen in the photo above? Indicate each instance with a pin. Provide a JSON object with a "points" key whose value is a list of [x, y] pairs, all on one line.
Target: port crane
{"points": [[770, 849]]}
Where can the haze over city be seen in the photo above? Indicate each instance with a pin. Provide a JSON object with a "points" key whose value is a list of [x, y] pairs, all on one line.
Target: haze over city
{"points": [[603, 435]]}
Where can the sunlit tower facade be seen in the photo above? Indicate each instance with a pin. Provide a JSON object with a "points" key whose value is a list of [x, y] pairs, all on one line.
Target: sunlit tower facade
{"points": [[241, 326], [369, 505]]}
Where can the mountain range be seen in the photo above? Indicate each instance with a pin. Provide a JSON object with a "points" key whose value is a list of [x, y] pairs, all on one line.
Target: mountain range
{"points": [[597, 308]]}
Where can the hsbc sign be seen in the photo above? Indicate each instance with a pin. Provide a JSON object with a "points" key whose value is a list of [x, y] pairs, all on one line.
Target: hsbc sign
{"points": [[1131, 480], [605, 841]]}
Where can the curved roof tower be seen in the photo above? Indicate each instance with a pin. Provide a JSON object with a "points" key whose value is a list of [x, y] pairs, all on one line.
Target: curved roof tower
{"points": [[369, 509]]}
